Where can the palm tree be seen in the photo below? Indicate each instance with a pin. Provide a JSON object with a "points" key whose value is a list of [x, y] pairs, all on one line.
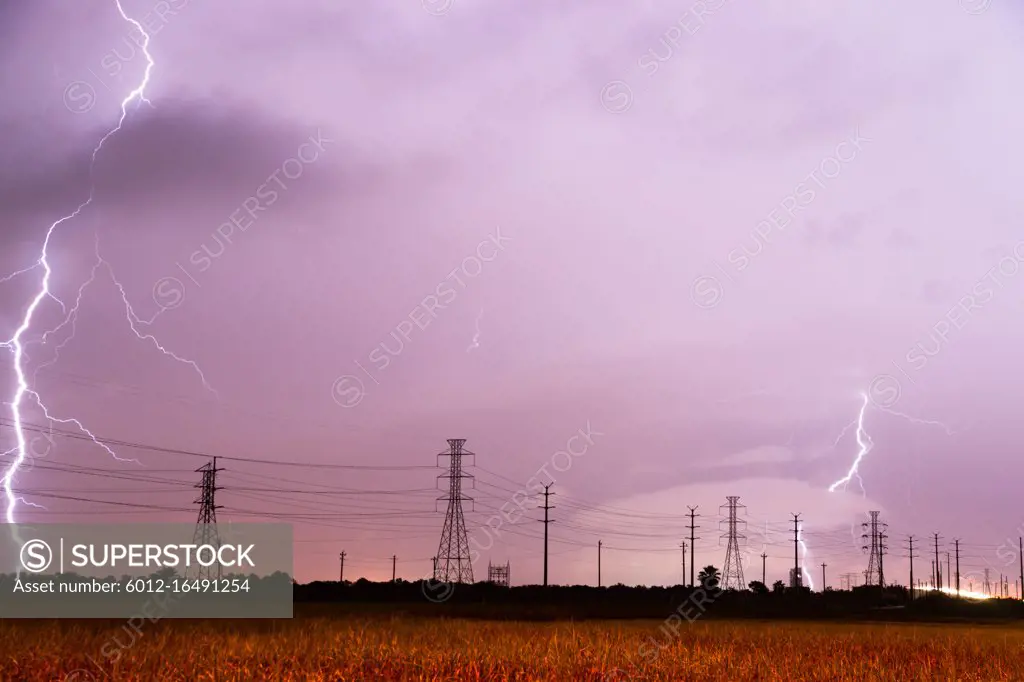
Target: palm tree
{"points": [[708, 576]]}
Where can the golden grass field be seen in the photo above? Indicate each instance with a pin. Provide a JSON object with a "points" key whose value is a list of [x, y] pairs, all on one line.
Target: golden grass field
{"points": [[381, 648]]}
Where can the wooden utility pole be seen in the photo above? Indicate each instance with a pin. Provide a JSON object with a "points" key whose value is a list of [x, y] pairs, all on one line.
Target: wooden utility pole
{"points": [[938, 565], [693, 540], [683, 546], [394, 567], [764, 569], [341, 574], [1020, 553], [881, 555], [599, 563], [823, 576], [911, 555], [546, 521], [956, 544], [797, 578]]}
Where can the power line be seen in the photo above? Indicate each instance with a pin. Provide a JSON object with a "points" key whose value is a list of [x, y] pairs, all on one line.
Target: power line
{"points": [[374, 509], [111, 442]]}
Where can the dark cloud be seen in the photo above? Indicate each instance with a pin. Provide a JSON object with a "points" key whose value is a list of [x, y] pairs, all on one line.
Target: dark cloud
{"points": [[10, 14], [160, 150], [185, 154]]}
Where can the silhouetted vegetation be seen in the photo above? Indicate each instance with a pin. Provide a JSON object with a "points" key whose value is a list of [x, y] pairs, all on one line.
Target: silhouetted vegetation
{"points": [[534, 602]]}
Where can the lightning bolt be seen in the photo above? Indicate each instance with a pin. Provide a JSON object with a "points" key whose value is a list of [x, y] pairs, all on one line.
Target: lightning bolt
{"points": [[917, 420], [803, 555], [32, 504], [17, 273], [71, 318], [476, 336], [80, 426], [16, 344], [134, 322], [865, 443]]}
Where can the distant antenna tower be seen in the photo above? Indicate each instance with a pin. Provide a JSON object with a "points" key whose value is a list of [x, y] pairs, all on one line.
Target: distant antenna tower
{"points": [[206, 525], [453, 563], [732, 573], [875, 575], [499, 575]]}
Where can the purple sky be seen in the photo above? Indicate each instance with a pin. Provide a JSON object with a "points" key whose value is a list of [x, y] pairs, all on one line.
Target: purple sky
{"points": [[629, 160]]}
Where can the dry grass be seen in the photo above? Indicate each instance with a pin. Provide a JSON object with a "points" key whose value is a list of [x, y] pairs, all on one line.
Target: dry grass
{"points": [[421, 649]]}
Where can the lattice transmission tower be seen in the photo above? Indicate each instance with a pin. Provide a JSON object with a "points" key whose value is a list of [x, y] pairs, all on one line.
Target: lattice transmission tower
{"points": [[453, 563], [875, 575], [499, 575], [206, 525], [732, 572]]}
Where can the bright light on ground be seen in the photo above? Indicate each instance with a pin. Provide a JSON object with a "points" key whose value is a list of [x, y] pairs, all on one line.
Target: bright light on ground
{"points": [[968, 594]]}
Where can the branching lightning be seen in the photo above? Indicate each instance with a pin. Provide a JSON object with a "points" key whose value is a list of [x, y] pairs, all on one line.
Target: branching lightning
{"points": [[16, 344], [23, 271], [134, 322], [865, 443], [31, 504], [476, 337], [71, 318]]}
